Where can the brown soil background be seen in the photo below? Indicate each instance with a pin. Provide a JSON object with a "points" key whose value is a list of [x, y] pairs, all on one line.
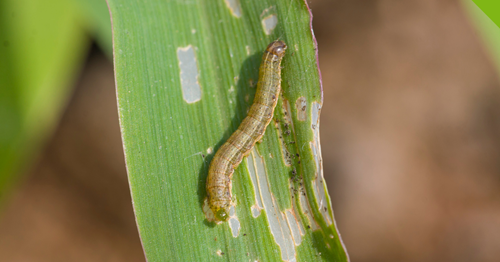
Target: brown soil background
{"points": [[410, 137]]}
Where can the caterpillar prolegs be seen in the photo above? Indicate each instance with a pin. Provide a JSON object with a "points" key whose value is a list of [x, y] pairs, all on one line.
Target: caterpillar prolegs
{"points": [[251, 130]]}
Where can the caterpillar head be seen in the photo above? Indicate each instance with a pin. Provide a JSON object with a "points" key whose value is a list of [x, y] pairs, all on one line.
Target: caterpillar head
{"points": [[277, 47], [222, 215]]}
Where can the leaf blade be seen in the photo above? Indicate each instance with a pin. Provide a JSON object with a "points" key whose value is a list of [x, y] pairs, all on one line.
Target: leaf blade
{"points": [[169, 142]]}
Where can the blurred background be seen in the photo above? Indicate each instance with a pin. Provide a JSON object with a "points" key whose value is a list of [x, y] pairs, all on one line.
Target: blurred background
{"points": [[410, 136]]}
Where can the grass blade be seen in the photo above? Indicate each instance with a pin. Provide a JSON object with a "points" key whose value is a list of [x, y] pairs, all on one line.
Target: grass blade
{"points": [[283, 210]]}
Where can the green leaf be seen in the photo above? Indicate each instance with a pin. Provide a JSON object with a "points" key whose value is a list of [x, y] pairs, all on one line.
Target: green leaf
{"points": [[96, 15], [487, 27], [41, 47], [170, 135]]}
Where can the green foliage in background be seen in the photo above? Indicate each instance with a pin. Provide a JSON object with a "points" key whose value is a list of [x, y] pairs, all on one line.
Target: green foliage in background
{"points": [[485, 16], [97, 22], [490, 8], [169, 143], [42, 44]]}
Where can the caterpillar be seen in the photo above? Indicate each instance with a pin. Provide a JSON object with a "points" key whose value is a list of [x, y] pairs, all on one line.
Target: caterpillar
{"points": [[251, 130]]}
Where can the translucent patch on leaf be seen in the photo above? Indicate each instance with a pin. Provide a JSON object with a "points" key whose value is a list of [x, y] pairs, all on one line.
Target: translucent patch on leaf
{"points": [[269, 23], [301, 106], [191, 90], [287, 112], [294, 227], [319, 186], [234, 6], [287, 157], [287, 130], [234, 223], [302, 230], [255, 209], [208, 212], [277, 220], [304, 204]]}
